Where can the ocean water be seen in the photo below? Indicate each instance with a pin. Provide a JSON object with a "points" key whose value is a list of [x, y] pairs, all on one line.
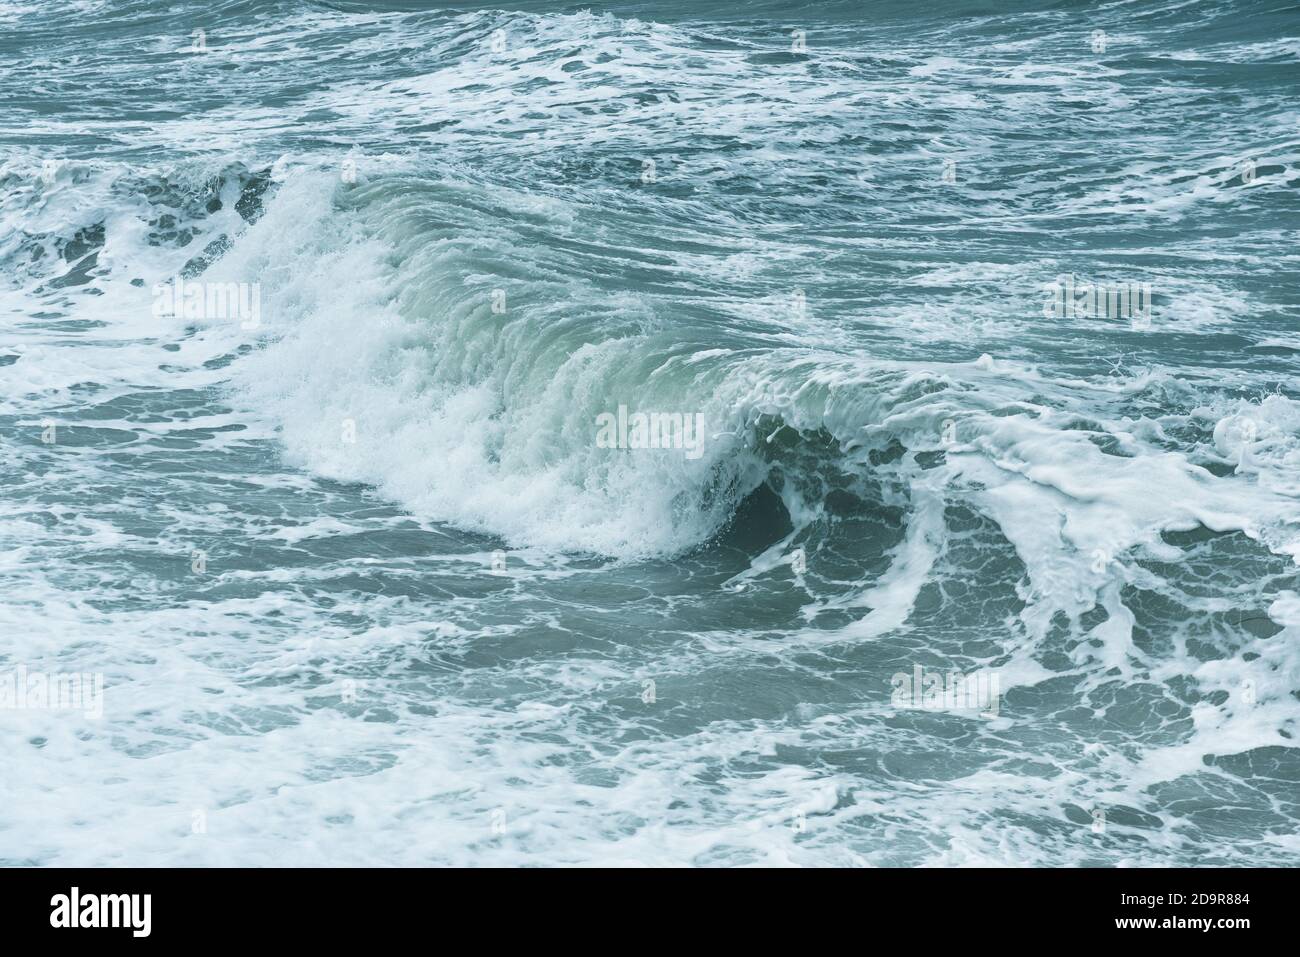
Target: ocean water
{"points": [[362, 576]]}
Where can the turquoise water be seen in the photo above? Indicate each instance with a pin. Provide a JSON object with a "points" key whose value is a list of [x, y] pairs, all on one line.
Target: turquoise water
{"points": [[364, 580]]}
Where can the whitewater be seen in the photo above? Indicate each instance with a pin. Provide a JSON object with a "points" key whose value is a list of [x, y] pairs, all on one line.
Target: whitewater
{"points": [[342, 346]]}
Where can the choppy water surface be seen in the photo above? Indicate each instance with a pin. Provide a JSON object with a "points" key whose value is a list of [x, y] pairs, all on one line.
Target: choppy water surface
{"points": [[364, 587]]}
